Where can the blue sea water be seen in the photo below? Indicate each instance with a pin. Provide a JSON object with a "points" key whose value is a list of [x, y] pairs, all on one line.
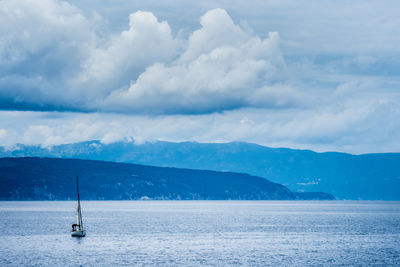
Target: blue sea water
{"points": [[201, 233]]}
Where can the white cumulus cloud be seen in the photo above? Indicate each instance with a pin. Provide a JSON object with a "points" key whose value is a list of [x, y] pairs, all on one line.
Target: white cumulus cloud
{"points": [[223, 67], [55, 58], [126, 55]]}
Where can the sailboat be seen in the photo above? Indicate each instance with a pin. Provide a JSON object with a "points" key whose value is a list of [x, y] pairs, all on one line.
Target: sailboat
{"points": [[77, 228]]}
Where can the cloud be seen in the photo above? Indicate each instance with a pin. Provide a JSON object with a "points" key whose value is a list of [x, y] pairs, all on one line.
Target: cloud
{"points": [[41, 134], [312, 27], [223, 67], [217, 30], [54, 58], [358, 127], [41, 45], [125, 56], [273, 72]]}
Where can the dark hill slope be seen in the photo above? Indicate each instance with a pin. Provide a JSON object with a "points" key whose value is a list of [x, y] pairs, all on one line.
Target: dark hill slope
{"points": [[46, 178], [368, 176]]}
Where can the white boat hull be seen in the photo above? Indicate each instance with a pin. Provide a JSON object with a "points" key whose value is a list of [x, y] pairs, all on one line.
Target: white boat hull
{"points": [[78, 233]]}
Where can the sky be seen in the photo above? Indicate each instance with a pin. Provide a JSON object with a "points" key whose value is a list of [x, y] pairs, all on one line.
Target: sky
{"points": [[320, 75]]}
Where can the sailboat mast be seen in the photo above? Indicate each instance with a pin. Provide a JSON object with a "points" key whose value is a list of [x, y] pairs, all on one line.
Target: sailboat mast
{"points": [[77, 190], [79, 204]]}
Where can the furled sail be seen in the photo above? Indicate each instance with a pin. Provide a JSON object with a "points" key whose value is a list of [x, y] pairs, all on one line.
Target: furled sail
{"points": [[78, 217]]}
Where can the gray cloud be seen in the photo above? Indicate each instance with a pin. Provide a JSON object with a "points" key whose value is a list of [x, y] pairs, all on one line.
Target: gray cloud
{"points": [[41, 46], [358, 127]]}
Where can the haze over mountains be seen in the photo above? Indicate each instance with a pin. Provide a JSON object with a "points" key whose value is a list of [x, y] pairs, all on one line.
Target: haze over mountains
{"points": [[346, 176]]}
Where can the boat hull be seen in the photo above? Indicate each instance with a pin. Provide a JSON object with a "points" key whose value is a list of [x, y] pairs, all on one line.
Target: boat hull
{"points": [[78, 233]]}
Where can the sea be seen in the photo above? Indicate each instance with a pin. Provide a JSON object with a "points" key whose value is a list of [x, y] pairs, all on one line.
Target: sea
{"points": [[201, 233]]}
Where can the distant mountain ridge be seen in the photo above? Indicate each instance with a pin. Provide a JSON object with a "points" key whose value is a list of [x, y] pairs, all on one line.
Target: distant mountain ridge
{"points": [[368, 176], [54, 179]]}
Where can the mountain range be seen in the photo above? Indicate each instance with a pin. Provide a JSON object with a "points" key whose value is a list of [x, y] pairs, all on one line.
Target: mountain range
{"points": [[346, 176]]}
